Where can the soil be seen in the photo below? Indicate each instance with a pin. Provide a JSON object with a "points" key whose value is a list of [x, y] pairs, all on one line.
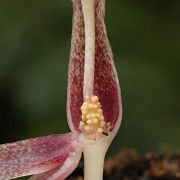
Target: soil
{"points": [[129, 165]]}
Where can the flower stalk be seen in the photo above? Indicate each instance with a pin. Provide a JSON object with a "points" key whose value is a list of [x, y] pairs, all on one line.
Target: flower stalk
{"points": [[94, 154]]}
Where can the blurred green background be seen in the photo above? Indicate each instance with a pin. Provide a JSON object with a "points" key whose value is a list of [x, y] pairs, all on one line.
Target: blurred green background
{"points": [[34, 53]]}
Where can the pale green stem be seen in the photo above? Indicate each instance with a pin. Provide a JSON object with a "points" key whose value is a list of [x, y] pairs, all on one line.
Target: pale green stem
{"points": [[94, 154]]}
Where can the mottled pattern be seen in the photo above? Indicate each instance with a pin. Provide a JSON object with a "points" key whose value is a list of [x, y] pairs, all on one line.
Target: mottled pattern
{"points": [[35, 155], [106, 85], [76, 67]]}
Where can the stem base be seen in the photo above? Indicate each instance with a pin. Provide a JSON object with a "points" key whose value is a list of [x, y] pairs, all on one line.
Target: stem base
{"points": [[94, 154]]}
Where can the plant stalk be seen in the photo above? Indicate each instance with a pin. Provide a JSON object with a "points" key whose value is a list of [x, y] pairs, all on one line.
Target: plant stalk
{"points": [[94, 154]]}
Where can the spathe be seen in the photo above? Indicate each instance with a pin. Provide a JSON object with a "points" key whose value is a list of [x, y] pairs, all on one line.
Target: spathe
{"points": [[38, 155]]}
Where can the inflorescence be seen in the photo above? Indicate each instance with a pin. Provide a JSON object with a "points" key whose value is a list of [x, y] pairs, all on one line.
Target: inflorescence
{"points": [[92, 121]]}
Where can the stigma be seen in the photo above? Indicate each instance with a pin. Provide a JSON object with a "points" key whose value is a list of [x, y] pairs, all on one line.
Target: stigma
{"points": [[93, 124]]}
